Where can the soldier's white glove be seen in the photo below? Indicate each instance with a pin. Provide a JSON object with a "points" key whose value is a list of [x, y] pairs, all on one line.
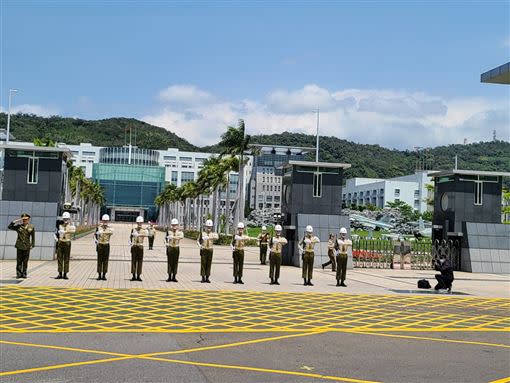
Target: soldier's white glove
{"points": [[276, 239], [135, 234], [307, 240], [205, 238], [238, 237], [61, 232], [130, 243], [233, 248]]}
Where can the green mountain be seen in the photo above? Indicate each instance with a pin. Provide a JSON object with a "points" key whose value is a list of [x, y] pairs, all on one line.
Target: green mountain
{"points": [[108, 132], [367, 160]]}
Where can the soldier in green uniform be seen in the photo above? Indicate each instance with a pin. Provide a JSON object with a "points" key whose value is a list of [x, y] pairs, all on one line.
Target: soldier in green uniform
{"points": [[306, 248], [172, 239], [276, 244], [331, 253], [205, 243], [238, 243], [151, 231], [342, 247], [63, 237], [136, 243], [102, 238], [263, 239], [24, 243]]}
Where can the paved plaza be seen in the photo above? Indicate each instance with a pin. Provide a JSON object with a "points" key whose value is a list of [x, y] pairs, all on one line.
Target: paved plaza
{"points": [[375, 330]]}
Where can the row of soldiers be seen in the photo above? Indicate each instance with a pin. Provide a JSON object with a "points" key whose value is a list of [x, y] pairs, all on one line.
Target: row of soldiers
{"points": [[337, 249]]}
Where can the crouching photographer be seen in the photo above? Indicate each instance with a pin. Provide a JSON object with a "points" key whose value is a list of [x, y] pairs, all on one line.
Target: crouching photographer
{"points": [[445, 279]]}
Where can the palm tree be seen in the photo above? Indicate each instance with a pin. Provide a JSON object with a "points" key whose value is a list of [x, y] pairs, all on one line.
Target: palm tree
{"points": [[236, 143]]}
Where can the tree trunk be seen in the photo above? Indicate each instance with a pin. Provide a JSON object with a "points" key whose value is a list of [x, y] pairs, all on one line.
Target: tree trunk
{"points": [[227, 206]]}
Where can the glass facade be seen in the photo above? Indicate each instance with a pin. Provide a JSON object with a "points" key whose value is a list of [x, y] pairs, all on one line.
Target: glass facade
{"points": [[122, 156], [130, 185]]}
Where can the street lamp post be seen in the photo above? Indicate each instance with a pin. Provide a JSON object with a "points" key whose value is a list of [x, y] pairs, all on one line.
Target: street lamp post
{"points": [[317, 144], [11, 91]]}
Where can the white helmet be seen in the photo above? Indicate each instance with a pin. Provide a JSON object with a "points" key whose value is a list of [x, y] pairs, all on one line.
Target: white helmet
{"points": [[264, 228], [278, 228], [343, 230], [66, 215], [309, 229], [240, 225], [174, 221], [209, 223], [105, 217], [139, 219]]}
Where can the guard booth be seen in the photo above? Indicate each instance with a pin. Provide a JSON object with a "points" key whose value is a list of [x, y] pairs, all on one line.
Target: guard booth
{"points": [[312, 195], [467, 220]]}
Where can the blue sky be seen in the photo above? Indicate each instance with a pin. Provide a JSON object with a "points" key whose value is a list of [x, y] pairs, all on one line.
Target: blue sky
{"points": [[381, 72]]}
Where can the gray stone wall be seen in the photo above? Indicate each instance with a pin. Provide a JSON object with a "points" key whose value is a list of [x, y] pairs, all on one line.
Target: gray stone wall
{"points": [[44, 215], [488, 248], [323, 225]]}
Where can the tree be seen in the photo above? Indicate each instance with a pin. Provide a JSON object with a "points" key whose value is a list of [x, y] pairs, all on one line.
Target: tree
{"points": [[236, 143], [406, 211]]}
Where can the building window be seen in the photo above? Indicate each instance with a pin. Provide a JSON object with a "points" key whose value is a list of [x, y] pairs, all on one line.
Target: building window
{"points": [[187, 177], [478, 193], [33, 170], [174, 178], [397, 192], [317, 185]]}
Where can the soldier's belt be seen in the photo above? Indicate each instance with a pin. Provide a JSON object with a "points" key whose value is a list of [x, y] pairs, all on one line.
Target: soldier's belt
{"points": [[173, 246], [64, 240], [104, 243], [309, 251], [137, 245]]}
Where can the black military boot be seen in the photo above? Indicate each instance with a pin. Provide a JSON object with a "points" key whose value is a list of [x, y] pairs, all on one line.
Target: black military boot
{"points": [[134, 277], [59, 276], [207, 280], [240, 281], [174, 279], [138, 278], [104, 276], [235, 280], [337, 282], [272, 281], [310, 282], [203, 279], [343, 284], [65, 276], [99, 277], [276, 282], [305, 282], [169, 278]]}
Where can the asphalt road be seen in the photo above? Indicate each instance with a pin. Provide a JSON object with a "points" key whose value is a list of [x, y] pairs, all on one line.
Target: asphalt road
{"points": [[477, 357]]}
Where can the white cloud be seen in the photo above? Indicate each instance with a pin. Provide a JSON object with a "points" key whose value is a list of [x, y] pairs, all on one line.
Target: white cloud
{"points": [[391, 118], [185, 94], [38, 110]]}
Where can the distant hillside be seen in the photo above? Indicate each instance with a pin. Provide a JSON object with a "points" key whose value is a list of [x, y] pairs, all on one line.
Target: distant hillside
{"points": [[366, 160], [379, 162], [108, 132]]}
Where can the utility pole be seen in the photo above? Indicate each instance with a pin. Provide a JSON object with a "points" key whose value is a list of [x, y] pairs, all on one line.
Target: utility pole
{"points": [[317, 111], [11, 91]]}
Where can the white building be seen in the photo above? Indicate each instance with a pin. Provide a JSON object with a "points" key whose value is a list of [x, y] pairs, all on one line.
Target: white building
{"points": [[411, 189]]}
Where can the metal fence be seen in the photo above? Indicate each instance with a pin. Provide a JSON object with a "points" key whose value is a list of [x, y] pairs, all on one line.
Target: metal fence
{"points": [[382, 253]]}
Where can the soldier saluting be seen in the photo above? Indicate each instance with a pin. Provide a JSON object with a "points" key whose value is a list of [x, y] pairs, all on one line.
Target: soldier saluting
{"points": [[24, 243], [102, 238], [276, 244], [306, 248], [63, 237], [205, 243], [172, 239], [263, 240], [238, 243], [136, 243]]}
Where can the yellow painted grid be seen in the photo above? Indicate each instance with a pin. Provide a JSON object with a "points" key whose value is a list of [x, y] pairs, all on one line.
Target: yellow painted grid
{"points": [[53, 309]]}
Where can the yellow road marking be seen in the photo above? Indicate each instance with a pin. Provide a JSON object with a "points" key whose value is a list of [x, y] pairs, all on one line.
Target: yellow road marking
{"points": [[503, 380], [266, 370], [122, 356], [57, 366], [432, 339]]}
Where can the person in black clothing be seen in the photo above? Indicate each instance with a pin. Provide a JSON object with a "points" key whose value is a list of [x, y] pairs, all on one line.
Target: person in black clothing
{"points": [[445, 279]]}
